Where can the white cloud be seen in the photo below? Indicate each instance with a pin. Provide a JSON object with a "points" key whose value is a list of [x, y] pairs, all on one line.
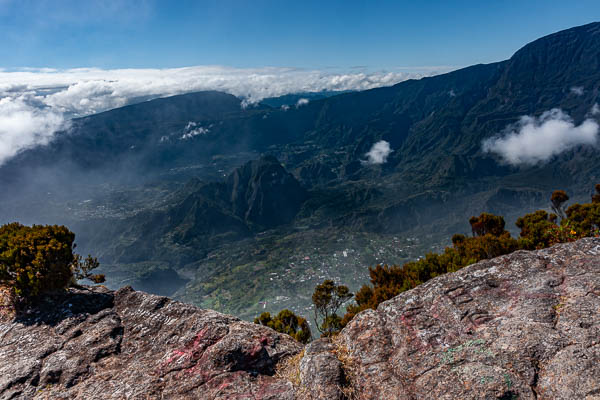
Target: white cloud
{"points": [[192, 129], [301, 102], [533, 140], [50, 96], [86, 91], [578, 90], [379, 153], [23, 126], [595, 109]]}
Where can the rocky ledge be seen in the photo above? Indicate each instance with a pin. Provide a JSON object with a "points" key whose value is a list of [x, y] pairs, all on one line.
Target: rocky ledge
{"points": [[521, 326]]}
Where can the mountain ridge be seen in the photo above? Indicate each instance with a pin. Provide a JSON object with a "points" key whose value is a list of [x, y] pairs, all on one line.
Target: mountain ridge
{"points": [[435, 177]]}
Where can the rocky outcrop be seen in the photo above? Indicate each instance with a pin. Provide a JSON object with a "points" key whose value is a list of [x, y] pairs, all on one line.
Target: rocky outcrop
{"points": [[98, 344], [521, 326], [525, 325]]}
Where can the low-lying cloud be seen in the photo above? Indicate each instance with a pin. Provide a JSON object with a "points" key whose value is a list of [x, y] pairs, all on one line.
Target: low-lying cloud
{"points": [[379, 153], [577, 90], [301, 102], [36, 102], [192, 129], [23, 126], [533, 140]]}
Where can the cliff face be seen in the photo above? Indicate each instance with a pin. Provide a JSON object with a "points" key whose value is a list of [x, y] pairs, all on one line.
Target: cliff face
{"points": [[525, 325]]}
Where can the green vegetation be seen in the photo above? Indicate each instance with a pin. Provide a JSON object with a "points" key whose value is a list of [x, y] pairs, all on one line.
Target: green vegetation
{"points": [[490, 239], [287, 322], [39, 259]]}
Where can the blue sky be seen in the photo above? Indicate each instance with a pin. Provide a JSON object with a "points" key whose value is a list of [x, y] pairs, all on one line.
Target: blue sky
{"points": [[307, 34]]}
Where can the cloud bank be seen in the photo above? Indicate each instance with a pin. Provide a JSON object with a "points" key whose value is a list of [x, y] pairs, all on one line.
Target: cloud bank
{"points": [[379, 153], [533, 140], [23, 126], [36, 102], [84, 91]]}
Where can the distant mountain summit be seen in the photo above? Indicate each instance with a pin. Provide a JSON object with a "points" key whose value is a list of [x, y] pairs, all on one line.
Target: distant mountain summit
{"points": [[259, 195], [264, 193]]}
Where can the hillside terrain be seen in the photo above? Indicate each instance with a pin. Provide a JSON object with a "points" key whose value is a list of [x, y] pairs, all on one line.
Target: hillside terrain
{"points": [[228, 205], [524, 325]]}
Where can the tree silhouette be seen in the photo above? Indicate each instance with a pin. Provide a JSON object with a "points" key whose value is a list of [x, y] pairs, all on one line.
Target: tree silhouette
{"points": [[558, 199], [327, 299]]}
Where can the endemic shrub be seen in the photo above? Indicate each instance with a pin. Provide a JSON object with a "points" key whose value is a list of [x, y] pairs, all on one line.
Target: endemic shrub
{"points": [[537, 230], [286, 322], [584, 219], [38, 259], [489, 240]]}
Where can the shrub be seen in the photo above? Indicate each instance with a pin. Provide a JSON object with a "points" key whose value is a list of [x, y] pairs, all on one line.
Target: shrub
{"points": [[584, 219], [38, 259], [489, 240], [538, 230], [287, 322]]}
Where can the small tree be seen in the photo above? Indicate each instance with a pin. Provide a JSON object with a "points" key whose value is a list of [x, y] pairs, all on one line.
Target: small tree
{"points": [[596, 197], [327, 299], [287, 322], [558, 199], [82, 269]]}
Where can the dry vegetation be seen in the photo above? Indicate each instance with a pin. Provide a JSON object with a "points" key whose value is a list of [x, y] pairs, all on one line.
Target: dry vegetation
{"points": [[342, 353], [289, 369]]}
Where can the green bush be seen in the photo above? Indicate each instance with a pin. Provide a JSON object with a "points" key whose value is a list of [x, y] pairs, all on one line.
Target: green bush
{"points": [[39, 259], [490, 240], [287, 322]]}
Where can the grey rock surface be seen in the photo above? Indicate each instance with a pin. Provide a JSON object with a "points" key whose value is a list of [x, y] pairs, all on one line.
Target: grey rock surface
{"points": [[521, 326], [321, 373], [98, 344]]}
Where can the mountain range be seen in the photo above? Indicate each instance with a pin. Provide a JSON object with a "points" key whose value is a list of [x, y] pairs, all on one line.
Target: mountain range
{"points": [[227, 204]]}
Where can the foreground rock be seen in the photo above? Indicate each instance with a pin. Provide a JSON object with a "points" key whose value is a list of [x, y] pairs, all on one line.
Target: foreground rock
{"points": [[522, 326], [97, 344]]}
